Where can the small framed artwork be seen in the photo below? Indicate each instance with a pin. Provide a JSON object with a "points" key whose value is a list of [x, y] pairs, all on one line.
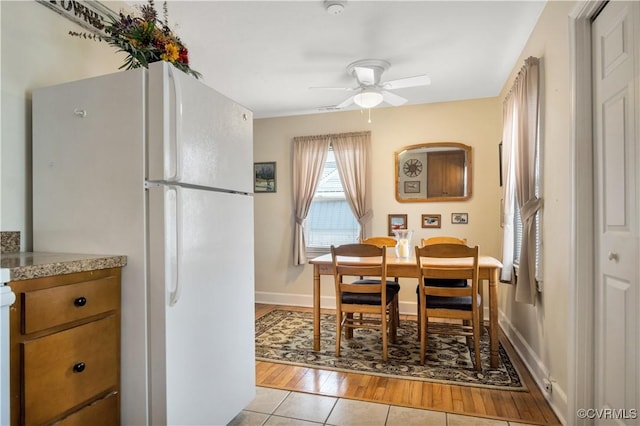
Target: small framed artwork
{"points": [[397, 221], [459, 218], [264, 177], [412, 187], [431, 221], [500, 161]]}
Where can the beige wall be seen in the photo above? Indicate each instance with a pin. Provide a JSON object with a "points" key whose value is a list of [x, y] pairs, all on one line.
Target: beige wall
{"points": [[472, 122], [36, 51], [539, 332]]}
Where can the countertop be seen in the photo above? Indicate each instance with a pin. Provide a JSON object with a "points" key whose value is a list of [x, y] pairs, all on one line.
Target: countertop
{"points": [[28, 265]]}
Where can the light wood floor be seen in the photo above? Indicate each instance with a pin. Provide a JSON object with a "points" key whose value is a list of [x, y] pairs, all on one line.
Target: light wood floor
{"points": [[526, 407]]}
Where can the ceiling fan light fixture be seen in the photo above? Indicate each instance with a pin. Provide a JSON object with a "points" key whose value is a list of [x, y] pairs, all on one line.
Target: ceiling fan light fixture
{"points": [[368, 99]]}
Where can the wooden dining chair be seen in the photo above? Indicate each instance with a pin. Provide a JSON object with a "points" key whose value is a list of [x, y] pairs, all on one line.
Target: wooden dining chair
{"points": [[439, 282], [373, 300], [395, 284], [450, 303]]}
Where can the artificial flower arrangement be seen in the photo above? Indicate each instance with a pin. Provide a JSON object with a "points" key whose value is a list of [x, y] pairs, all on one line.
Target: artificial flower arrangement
{"points": [[145, 39]]}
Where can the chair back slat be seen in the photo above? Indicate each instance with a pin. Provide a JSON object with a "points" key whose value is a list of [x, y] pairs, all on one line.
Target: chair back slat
{"points": [[435, 272], [443, 240], [361, 288], [375, 271], [380, 241], [448, 291], [448, 250]]}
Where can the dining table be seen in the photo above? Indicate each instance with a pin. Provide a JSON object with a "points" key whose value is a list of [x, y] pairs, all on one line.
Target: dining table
{"points": [[489, 270]]}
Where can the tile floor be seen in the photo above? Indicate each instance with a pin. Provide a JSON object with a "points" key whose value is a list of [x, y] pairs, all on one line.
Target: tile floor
{"points": [[281, 407]]}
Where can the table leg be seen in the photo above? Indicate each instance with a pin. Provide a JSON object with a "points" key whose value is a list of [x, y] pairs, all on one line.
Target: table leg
{"points": [[316, 307], [493, 318]]}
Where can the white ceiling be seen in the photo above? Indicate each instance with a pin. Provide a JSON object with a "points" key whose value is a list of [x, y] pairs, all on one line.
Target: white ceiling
{"points": [[266, 54]]}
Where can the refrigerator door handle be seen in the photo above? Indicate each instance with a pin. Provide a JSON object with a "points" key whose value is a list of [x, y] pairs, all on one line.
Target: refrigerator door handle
{"points": [[173, 224], [173, 152]]}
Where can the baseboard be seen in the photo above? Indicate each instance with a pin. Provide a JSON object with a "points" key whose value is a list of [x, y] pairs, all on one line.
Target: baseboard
{"points": [[557, 398], [288, 299]]}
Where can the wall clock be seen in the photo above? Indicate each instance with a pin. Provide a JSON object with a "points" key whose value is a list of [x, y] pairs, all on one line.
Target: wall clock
{"points": [[412, 167]]}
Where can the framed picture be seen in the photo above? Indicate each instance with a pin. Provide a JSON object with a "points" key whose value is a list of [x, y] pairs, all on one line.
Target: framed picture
{"points": [[500, 161], [264, 177], [412, 187], [431, 221], [459, 218], [397, 221]]}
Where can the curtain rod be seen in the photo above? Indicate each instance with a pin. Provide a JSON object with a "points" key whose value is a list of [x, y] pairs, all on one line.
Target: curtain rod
{"points": [[531, 60], [333, 135]]}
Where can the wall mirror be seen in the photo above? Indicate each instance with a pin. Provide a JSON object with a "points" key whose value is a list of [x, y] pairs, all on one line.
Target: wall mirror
{"points": [[439, 171]]}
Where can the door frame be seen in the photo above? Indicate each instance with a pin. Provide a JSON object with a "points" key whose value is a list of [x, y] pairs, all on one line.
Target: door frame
{"points": [[581, 354]]}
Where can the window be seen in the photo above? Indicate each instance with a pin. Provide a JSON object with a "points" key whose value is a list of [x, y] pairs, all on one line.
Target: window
{"points": [[317, 186], [518, 238], [521, 148], [330, 219], [517, 225]]}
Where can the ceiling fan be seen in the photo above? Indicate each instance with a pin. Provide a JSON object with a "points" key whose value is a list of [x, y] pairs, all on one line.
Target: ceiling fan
{"points": [[370, 90]]}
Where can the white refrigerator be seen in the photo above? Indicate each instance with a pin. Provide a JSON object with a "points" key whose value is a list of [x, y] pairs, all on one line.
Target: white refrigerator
{"points": [[155, 165]]}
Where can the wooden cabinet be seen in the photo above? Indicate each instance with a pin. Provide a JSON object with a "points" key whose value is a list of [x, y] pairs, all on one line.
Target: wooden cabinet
{"points": [[65, 349]]}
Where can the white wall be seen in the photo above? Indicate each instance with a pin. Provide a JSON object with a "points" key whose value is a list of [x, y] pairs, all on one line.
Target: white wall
{"points": [[472, 122], [36, 51], [540, 333]]}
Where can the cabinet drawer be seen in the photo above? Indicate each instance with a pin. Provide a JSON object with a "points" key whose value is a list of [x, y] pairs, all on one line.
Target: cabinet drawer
{"points": [[65, 369], [59, 305], [104, 412]]}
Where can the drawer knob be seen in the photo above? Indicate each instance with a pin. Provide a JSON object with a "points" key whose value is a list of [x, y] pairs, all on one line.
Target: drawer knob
{"points": [[79, 367], [80, 302]]}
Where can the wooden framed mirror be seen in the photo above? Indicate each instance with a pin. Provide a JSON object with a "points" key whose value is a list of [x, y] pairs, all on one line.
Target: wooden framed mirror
{"points": [[439, 171]]}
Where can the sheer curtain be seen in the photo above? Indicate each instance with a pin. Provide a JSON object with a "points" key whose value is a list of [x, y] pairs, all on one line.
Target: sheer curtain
{"points": [[508, 190], [352, 160], [522, 107], [309, 155]]}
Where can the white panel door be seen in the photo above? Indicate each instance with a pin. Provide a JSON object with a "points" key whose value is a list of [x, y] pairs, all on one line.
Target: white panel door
{"points": [[197, 135], [615, 45], [202, 305]]}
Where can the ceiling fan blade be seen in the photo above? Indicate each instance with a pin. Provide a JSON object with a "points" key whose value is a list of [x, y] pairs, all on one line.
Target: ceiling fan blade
{"points": [[345, 103], [345, 89], [366, 76], [392, 98], [418, 80]]}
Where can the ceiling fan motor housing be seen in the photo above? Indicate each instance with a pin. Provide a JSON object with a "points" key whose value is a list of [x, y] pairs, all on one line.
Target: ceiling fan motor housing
{"points": [[368, 71]]}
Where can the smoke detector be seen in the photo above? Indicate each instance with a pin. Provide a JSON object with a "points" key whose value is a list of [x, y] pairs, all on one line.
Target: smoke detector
{"points": [[334, 7]]}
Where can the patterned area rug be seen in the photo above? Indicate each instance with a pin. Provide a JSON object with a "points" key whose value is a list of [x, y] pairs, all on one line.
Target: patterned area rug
{"points": [[287, 337]]}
